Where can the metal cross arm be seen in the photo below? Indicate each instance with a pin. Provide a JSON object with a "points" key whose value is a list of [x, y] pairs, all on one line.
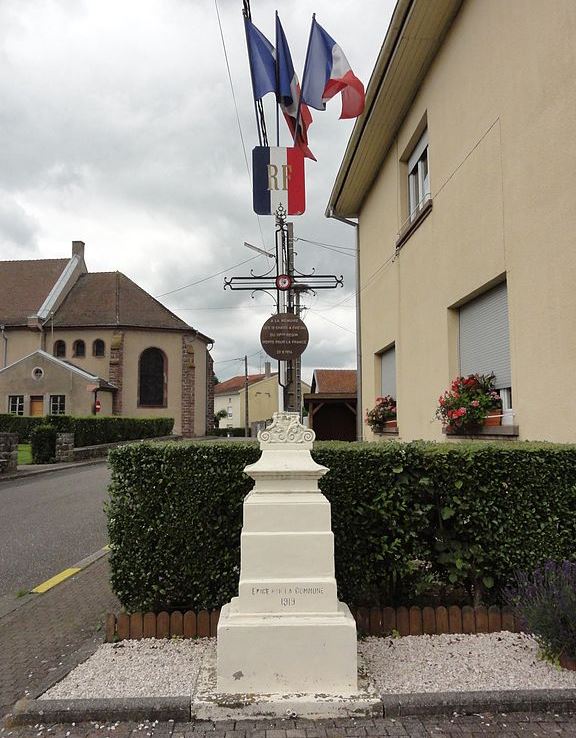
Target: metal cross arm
{"points": [[250, 283], [299, 281]]}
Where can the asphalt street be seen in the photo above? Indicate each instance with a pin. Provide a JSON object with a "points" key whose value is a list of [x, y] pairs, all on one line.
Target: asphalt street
{"points": [[48, 523]]}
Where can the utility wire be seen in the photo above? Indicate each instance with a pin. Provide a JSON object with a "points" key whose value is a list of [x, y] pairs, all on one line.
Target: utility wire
{"points": [[205, 279], [315, 312], [241, 358], [326, 245]]}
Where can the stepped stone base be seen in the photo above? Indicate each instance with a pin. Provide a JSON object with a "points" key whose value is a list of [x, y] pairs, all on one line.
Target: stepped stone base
{"points": [[304, 653]]}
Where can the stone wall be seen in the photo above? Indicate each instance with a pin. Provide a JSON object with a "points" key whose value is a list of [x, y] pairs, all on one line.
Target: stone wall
{"points": [[84, 453], [8, 452], [188, 384], [64, 447], [116, 374], [209, 393]]}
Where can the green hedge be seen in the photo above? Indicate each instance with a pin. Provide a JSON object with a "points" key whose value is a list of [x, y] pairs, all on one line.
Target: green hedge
{"points": [[412, 522], [43, 444], [91, 429], [23, 425]]}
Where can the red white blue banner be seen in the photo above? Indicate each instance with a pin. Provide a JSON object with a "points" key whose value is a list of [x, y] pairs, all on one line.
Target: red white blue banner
{"points": [[278, 179]]}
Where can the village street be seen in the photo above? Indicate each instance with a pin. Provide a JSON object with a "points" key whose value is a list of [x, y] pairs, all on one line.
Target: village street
{"points": [[49, 522]]}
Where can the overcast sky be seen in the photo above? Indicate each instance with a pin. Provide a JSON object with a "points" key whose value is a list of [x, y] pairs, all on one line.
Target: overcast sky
{"points": [[118, 128]]}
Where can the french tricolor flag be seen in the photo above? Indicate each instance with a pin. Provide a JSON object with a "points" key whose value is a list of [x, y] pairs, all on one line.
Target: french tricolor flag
{"points": [[289, 93], [327, 72], [278, 179]]}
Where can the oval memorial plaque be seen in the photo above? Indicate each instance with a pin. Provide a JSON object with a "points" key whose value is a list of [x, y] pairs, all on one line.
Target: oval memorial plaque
{"points": [[284, 336]]}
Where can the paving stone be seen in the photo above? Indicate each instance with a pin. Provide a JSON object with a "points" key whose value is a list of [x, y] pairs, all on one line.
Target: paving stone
{"points": [[49, 629]]}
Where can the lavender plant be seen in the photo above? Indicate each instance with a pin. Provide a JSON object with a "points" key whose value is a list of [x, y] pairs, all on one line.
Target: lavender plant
{"points": [[545, 600]]}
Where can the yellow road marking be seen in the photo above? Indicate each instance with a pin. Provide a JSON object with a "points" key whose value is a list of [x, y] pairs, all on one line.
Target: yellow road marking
{"points": [[49, 583]]}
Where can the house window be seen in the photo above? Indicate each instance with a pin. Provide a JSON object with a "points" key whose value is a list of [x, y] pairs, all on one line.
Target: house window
{"points": [[388, 372], [98, 348], [60, 349], [16, 404], [57, 404], [152, 378], [79, 349], [484, 340], [229, 411], [418, 177]]}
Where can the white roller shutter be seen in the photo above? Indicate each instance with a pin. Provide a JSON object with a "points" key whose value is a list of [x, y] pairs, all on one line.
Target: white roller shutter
{"points": [[388, 372], [484, 336]]}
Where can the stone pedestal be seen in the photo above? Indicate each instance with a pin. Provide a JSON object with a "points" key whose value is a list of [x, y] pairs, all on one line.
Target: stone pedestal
{"points": [[286, 632]]}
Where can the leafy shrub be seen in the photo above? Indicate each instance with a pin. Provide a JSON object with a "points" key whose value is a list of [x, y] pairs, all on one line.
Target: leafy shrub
{"points": [[43, 443], [411, 521], [546, 601]]}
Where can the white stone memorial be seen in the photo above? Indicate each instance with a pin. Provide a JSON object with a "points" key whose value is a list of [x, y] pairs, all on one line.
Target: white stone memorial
{"points": [[286, 632]]}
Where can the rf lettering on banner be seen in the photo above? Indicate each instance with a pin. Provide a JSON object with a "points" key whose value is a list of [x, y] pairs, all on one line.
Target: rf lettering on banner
{"points": [[278, 179]]}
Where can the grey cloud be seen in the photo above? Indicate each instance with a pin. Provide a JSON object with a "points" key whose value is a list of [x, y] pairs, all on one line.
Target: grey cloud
{"points": [[18, 229]]}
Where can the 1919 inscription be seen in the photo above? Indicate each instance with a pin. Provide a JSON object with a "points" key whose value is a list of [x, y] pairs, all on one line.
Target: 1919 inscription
{"points": [[287, 595]]}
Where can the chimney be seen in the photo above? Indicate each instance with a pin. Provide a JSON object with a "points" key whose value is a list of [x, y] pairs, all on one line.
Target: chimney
{"points": [[78, 249], [267, 371]]}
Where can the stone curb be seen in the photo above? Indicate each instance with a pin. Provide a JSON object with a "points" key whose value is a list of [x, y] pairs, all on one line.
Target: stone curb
{"points": [[28, 712], [50, 470], [513, 700], [6, 608], [32, 711]]}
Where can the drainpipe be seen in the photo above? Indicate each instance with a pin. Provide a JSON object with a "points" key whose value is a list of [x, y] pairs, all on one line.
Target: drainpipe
{"points": [[5, 337], [359, 414]]}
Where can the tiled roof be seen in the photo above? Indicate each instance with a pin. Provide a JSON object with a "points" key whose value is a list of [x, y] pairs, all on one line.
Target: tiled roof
{"points": [[111, 299], [24, 285], [234, 384], [335, 381]]}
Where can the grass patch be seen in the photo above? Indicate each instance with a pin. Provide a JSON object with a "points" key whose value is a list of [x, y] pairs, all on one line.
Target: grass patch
{"points": [[24, 454]]}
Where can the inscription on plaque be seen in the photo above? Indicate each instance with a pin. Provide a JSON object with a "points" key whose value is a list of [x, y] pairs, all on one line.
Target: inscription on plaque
{"points": [[284, 336], [287, 595]]}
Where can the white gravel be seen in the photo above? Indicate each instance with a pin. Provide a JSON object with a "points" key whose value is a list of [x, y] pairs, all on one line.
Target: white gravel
{"points": [[147, 668], [439, 663], [460, 663]]}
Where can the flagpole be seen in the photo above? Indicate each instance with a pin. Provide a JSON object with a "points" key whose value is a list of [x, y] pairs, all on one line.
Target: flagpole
{"points": [[277, 87], [246, 14], [303, 79]]}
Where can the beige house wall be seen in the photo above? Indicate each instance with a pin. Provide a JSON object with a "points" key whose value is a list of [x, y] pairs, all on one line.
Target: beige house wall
{"points": [[20, 343], [135, 342], [57, 380], [24, 341], [262, 402], [499, 101], [222, 402]]}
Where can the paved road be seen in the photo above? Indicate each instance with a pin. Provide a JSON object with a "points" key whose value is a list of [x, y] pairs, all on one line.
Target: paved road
{"points": [[48, 523]]}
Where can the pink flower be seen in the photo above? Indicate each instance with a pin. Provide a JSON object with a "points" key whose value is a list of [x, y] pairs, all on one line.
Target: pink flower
{"points": [[475, 403]]}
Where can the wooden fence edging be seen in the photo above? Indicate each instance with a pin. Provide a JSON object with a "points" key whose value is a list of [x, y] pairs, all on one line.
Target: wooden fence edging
{"points": [[377, 621]]}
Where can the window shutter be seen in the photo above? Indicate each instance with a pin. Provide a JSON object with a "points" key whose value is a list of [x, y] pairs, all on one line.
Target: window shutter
{"points": [[388, 372], [484, 336]]}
